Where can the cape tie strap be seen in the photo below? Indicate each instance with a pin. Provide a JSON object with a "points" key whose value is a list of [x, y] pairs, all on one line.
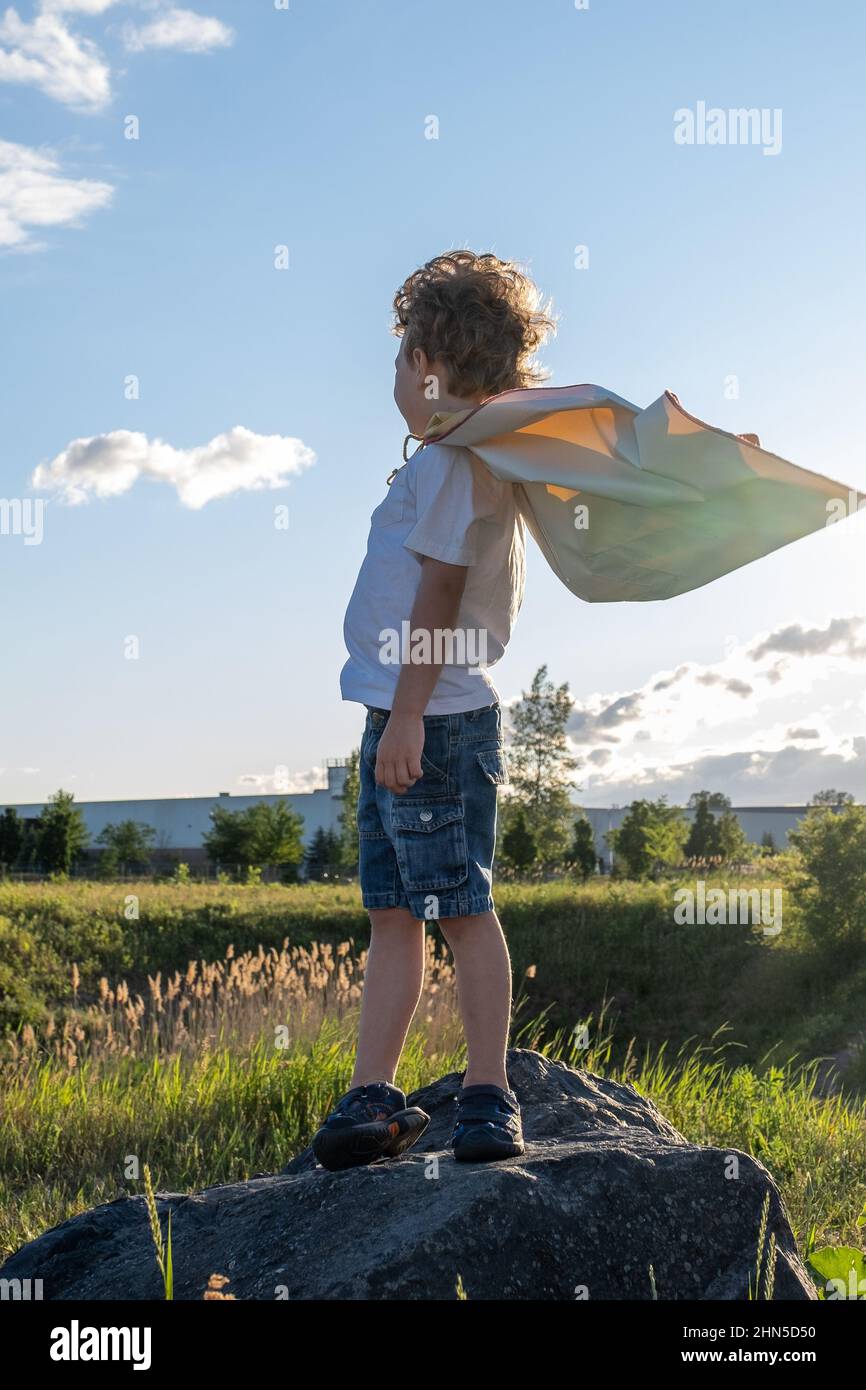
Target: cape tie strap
{"points": [[407, 456]]}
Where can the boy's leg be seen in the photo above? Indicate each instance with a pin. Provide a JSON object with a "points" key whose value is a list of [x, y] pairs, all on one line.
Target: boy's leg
{"points": [[372, 1120], [484, 992], [392, 987]]}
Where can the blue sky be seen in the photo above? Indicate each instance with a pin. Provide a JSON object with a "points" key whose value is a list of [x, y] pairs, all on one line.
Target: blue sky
{"points": [[154, 258]]}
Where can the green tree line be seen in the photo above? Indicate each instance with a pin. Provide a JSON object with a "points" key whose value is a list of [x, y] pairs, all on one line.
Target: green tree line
{"points": [[541, 828]]}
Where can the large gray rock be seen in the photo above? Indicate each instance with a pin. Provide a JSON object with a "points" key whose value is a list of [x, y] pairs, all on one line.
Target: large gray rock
{"points": [[606, 1188]]}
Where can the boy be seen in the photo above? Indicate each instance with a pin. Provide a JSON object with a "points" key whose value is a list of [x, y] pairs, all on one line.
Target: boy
{"points": [[444, 565]]}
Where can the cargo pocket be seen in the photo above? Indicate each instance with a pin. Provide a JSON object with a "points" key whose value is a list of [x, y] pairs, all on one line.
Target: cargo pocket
{"points": [[430, 842], [494, 765]]}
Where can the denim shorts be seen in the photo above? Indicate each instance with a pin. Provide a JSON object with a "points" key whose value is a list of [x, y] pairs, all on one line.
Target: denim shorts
{"points": [[430, 849]]}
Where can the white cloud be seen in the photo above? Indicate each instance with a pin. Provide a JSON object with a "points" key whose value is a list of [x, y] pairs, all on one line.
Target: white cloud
{"points": [[45, 54], [785, 776], [34, 193], [110, 464], [671, 702], [795, 640], [775, 718], [289, 783], [179, 29], [77, 6]]}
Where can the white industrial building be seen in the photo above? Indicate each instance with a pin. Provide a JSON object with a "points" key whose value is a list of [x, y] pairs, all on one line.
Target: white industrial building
{"points": [[182, 822]]}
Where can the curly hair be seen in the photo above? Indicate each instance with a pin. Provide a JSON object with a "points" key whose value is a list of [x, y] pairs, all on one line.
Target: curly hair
{"points": [[480, 316]]}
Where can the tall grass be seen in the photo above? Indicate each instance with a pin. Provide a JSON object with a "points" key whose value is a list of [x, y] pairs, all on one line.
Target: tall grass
{"points": [[210, 1076], [242, 1000], [589, 942]]}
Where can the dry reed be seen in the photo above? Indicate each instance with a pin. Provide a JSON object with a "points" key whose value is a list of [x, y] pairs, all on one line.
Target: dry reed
{"points": [[285, 994]]}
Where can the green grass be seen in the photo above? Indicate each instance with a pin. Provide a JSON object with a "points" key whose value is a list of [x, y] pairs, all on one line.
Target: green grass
{"points": [[614, 942], [617, 944], [68, 1137], [128, 930]]}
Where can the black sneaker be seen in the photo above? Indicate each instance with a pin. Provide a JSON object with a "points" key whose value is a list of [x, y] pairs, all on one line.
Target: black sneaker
{"points": [[488, 1125], [369, 1122]]}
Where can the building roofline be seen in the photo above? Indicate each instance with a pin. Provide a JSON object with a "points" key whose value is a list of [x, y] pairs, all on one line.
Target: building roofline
{"points": [[126, 800]]}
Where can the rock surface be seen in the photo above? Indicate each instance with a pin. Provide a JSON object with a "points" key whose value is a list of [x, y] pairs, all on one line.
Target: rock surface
{"points": [[606, 1188]]}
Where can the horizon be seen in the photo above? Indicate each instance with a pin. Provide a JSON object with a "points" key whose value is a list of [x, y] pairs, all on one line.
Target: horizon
{"points": [[252, 796]]}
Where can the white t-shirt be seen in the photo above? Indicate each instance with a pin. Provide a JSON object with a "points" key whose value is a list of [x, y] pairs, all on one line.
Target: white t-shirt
{"points": [[446, 504]]}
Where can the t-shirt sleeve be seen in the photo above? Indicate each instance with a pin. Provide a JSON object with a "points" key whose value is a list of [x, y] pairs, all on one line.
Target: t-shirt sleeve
{"points": [[454, 495]]}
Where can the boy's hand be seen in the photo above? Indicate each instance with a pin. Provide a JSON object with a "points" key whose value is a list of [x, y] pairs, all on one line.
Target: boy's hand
{"points": [[398, 758], [436, 607]]}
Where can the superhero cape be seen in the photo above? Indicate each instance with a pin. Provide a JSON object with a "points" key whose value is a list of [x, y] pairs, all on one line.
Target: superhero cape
{"points": [[631, 504]]}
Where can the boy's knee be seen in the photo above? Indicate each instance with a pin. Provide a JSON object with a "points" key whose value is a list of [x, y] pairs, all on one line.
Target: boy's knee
{"points": [[455, 928], [384, 919]]}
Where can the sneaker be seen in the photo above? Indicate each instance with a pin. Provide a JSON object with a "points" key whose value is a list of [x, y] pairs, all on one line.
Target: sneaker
{"points": [[488, 1125], [369, 1122]]}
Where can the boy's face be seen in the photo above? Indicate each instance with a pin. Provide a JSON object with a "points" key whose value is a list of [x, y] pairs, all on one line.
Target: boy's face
{"points": [[409, 380], [420, 388]]}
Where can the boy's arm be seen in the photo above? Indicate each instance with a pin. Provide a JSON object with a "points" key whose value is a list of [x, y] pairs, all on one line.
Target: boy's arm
{"points": [[437, 604]]}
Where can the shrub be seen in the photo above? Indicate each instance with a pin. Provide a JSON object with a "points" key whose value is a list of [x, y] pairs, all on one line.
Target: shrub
{"points": [[582, 853], [29, 970], [827, 880], [651, 836], [519, 845]]}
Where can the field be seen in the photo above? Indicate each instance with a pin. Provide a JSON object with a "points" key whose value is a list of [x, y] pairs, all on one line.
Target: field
{"points": [[119, 1051]]}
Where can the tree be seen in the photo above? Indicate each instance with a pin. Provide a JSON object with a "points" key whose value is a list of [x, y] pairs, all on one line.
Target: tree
{"points": [[11, 838], [28, 855], [717, 801], [830, 797], [541, 764], [276, 836], [710, 837], [323, 855], [519, 846], [730, 843], [227, 842], [348, 821], [828, 880], [62, 835], [699, 844], [128, 845], [261, 835], [582, 853], [109, 864], [652, 835], [768, 843]]}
